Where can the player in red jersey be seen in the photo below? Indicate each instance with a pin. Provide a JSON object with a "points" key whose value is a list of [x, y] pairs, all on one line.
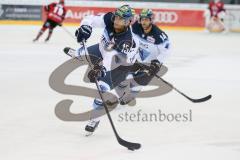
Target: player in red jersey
{"points": [[216, 7], [217, 14], [55, 16]]}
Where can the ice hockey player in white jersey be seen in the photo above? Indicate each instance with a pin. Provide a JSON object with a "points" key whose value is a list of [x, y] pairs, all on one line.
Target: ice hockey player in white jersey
{"points": [[154, 49], [115, 54], [154, 43]]}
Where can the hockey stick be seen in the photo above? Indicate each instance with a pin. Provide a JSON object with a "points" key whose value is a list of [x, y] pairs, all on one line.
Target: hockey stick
{"points": [[142, 66], [129, 145], [191, 99]]}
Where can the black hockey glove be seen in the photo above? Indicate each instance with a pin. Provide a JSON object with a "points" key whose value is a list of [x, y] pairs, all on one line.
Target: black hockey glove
{"points": [[146, 73], [83, 33], [96, 72], [137, 67], [154, 67]]}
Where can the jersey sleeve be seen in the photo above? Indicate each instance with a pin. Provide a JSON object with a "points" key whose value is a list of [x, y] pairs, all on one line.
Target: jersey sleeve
{"points": [[164, 51], [49, 7], [136, 28], [162, 43], [46, 8], [222, 7], [64, 13]]}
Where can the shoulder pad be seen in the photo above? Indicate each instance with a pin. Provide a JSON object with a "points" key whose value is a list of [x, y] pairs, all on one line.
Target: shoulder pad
{"points": [[108, 18], [137, 29], [159, 35]]}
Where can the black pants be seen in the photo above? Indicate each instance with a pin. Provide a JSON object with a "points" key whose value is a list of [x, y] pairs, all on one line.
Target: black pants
{"points": [[50, 24]]}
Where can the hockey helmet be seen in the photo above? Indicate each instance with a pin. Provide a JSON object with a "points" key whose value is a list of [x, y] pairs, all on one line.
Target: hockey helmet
{"points": [[125, 12], [146, 13], [61, 1]]}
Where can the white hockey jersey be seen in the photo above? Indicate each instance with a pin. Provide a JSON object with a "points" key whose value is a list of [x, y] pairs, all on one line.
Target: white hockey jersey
{"points": [[154, 45], [116, 49]]}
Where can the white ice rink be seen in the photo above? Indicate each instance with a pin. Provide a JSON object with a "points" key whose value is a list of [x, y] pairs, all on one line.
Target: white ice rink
{"points": [[201, 64]]}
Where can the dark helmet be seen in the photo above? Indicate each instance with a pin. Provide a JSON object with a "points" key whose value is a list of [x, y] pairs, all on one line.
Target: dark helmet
{"points": [[125, 12], [146, 13], [61, 1]]}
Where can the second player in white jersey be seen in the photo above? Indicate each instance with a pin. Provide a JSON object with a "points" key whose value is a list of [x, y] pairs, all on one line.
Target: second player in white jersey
{"points": [[154, 48], [154, 43]]}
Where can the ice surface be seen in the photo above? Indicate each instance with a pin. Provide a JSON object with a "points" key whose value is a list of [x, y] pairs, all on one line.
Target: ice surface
{"points": [[201, 64]]}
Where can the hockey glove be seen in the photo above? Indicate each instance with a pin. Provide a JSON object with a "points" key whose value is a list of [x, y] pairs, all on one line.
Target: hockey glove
{"points": [[96, 72], [83, 33], [154, 67], [137, 67]]}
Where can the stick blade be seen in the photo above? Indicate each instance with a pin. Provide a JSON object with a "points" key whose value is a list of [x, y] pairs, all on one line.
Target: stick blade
{"points": [[66, 49], [201, 99], [129, 145]]}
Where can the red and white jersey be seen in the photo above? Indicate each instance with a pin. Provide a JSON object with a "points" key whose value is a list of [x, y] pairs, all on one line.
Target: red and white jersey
{"points": [[215, 8], [56, 12]]}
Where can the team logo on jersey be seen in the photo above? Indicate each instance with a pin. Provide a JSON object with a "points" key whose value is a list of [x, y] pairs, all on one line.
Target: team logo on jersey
{"points": [[143, 54], [151, 39]]}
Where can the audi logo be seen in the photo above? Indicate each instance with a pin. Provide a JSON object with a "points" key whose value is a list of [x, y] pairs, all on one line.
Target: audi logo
{"points": [[165, 17]]}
